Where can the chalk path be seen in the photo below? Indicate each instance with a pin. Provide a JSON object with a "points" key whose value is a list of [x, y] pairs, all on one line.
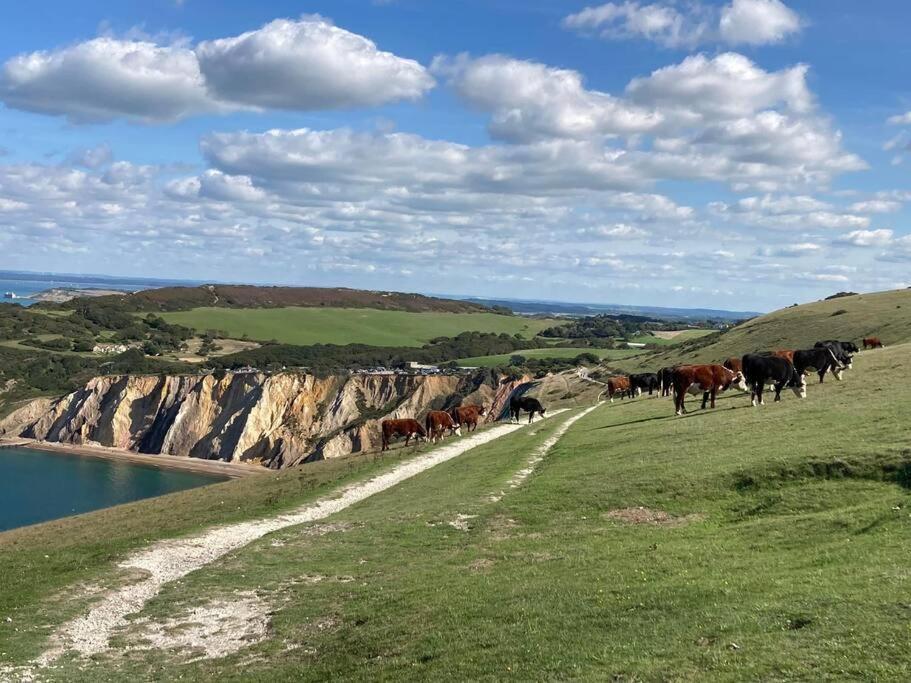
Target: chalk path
{"points": [[170, 560]]}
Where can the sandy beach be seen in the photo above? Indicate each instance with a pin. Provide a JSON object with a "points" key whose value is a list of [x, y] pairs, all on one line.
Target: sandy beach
{"points": [[216, 467]]}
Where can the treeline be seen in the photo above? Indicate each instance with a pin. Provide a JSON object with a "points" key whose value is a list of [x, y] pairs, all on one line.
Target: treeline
{"points": [[603, 327]]}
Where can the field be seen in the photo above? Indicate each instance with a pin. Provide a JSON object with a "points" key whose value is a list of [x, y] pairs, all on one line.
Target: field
{"points": [[305, 326], [886, 315], [670, 338], [503, 359], [735, 544]]}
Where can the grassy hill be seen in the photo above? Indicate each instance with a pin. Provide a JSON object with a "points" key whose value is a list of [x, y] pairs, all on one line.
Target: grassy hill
{"points": [[886, 315], [251, 296], [305, 326], [734, 544]]}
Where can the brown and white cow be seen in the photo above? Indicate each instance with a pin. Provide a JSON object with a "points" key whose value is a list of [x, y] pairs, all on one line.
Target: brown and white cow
{"points": [[408, 427], [706, 379], [617, 385], [873, 343], [437, 422], [469, 416], [733, 364]]}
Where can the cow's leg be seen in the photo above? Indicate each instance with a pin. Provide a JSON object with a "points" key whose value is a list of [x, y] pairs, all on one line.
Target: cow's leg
{"points": [[679, 399], [714, 394], [705, 399], [778, 388]]}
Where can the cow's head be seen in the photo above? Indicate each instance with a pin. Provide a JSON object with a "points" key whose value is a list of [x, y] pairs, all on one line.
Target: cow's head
{"points": [[798, 384], [457, 430], [848, 361], [740, 383], [482, 410]]}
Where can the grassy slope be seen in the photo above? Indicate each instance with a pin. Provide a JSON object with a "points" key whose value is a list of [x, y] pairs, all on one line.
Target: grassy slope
{"points": [[503, 359], [883, 314], [305, 326], [793, 567]]}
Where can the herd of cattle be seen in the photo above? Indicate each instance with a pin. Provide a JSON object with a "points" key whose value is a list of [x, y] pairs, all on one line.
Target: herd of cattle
{"points": [[752, 373], [439, 423]]}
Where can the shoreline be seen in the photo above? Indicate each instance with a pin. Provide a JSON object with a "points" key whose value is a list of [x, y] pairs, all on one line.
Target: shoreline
{"points": [[168, 462]]}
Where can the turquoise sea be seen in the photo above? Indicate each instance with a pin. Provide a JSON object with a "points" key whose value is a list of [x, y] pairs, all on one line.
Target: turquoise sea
{"points": [[37, 486]]}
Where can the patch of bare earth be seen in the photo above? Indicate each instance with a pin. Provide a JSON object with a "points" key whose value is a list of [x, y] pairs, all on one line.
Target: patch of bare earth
{"points": [[215, 629], [643, 515]]}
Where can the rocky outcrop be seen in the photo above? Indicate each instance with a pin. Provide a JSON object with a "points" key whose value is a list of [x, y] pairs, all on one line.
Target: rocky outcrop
{"points": [[276, 420]]}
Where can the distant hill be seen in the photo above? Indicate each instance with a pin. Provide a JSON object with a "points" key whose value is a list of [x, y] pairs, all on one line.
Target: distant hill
{"points": [[886, 315], [531, 307], [250, 296]]}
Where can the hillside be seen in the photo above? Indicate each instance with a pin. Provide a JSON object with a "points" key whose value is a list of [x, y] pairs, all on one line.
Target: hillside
{"points": [[886, 315], [250, 296], [327, 325], [631, 552]]}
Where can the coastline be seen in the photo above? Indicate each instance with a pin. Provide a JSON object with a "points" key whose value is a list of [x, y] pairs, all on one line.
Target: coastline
{"points": [[169, 462]]}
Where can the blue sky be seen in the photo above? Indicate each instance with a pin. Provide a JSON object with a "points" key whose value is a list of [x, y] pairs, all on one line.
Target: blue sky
{"points": [[738, 154]]}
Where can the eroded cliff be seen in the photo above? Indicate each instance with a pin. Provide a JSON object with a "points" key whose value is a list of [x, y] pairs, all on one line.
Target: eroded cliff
{"points": [[276, 420]]}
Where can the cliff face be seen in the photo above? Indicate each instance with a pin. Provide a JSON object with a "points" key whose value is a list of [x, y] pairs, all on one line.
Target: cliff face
{"points": [[277, 420]]}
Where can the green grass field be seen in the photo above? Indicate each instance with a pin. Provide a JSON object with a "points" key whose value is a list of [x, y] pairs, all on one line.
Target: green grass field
{"points": [[738, 544], [503, 359], [883, 314], [685, 335], [305, 326]]}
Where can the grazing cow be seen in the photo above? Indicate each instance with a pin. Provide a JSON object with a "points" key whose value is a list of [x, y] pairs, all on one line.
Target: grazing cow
{"points": [[822, 359], [645, 381], [530, 405], [761, 369], [409, 427], [838, 347], [842, 350], [708, 379], [733, 364], [437, 422], [873, 343], [618, 385], [787, 354], [666, 378], [468, 416]]}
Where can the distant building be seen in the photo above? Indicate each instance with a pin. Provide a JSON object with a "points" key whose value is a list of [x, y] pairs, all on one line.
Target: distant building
{"points": [[111, 349]]}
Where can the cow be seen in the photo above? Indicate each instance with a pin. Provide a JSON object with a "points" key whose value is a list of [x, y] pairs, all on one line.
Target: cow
{"points": [[468, 416], [873, 343], [406, 427], [666, 378], [822, 359], [761, 369], [530, 405], [618, 385], [646, 381], [787, 354], [838, 347], [842, 350], [437, 422], [708, 379], [733, 364]]}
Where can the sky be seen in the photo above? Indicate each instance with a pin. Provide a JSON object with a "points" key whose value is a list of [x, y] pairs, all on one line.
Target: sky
{"points": [[741, 154]]}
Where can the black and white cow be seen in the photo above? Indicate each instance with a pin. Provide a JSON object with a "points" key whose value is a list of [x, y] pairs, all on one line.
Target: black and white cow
{"points": [[759, 370], [822, 359], [645, 381], [843, 350]]}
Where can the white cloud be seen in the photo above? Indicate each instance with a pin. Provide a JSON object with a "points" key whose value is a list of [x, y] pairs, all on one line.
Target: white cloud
{"points": [[901, 119], [104, 79], [685, 25], [757, 22], [307, 65], [868, 238], [302, 65], [876, 206], [92, 157], [620, 231], [528, 100]]}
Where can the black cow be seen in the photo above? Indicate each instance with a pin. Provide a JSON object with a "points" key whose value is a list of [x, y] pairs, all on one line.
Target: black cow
{"points": [[530, 405], [666, 379], [645, 381], [822, 358], [843, 350], [760, 370]]}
